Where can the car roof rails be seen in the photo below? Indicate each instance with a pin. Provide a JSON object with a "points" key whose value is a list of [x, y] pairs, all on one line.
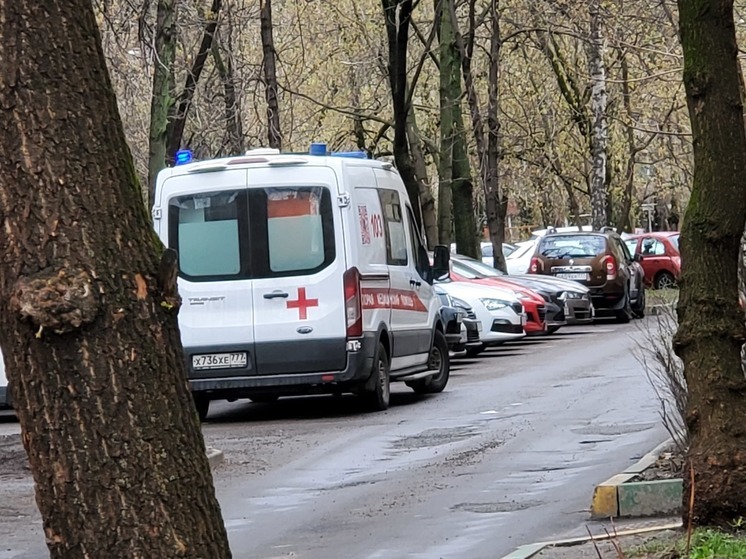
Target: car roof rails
{"points": [[607, 229], [551, 230]]}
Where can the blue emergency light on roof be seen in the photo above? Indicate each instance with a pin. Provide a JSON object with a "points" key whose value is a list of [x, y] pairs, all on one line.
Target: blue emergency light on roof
{"points": [[317, 149], [350, 154], [183, 156]]}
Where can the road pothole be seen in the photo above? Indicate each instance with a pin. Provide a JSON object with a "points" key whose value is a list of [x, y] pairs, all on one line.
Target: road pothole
{"points": [[492, 508], [434, 437]]}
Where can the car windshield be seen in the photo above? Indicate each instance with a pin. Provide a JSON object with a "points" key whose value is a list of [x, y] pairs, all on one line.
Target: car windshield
{"points": [[572, 246], [522, 250], [475, 267]]}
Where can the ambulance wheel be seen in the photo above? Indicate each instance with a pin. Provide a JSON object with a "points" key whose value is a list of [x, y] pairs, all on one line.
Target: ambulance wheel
{"points": [[438, 361], [376, 394], [202, 403]]}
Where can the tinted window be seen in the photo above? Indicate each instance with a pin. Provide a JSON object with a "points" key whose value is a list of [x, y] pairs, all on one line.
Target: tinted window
{"points": [[292, 230], [245, 234], [206, 231], [396, 240], [572, 246]]}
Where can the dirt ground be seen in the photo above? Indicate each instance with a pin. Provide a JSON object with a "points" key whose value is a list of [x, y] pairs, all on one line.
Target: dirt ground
{"points": [[654, 545]]}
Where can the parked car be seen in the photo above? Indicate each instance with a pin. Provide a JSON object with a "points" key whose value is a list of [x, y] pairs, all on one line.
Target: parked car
{"points": [[499, 310], [533, 303], [599, 260], [452, 318], [566, 301], [467, 321], [487, 252], [660, 257], [520, 259]]}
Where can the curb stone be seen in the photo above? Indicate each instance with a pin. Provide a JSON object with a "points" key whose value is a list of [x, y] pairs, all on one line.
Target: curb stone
{"points": [[214, 457], [660, 309], [619, 497], [529, 550]]}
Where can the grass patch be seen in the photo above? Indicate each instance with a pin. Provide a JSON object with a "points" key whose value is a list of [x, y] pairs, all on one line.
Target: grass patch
{"points": [[705, 544], [661, 296]]}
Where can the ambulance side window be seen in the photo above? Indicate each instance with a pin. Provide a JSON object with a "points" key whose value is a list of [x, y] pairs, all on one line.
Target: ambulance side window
{"points": [[396, 239], [208, 231]]}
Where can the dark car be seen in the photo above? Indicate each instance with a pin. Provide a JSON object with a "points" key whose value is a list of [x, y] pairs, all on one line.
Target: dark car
{"points": [[660, 256], [599, 260], [462, 326]]}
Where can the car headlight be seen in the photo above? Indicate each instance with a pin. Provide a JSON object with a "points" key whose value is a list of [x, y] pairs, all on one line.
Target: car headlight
{"points": [[570, 295], [495, 304], [460, 303]]}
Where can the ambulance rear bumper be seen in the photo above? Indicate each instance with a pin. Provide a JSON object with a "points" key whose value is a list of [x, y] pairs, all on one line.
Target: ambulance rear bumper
{"points": [[358, 369]]}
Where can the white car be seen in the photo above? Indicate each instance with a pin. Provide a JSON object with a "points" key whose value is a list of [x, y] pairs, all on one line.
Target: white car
{"points": [[520, 259], [498, 310]]}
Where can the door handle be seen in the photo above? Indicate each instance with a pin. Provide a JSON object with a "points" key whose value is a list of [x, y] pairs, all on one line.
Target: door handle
{"points": [[276, 295]]}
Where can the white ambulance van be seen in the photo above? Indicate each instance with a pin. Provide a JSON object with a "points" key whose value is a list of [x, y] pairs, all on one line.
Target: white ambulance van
{"points": [[300, 274]]}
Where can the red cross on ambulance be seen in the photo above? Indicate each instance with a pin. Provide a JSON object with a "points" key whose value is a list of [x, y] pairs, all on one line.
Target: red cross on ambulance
{"points": [[302, 304]]}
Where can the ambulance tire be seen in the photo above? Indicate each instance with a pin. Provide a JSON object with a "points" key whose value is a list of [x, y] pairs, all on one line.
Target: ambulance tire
{"points": [[438, 360], [376, 395], [202, 403]]}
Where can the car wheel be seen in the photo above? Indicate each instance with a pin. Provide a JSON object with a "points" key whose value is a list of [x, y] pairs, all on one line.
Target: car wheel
{"points": [[438, 361], [474, 351], [638, 310], [377, 394], [202, 403], [624, 315], [264, 398], [664, 280]]}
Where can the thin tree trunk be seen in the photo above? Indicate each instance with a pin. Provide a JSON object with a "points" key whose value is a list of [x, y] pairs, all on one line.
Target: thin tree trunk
{"points": [[449, 76], [427, 202], [599, 133], [178, 120], [88, 308], [269, 63], [233, 121], [464, 215], [397, 16], [161, 100], [711, 328]]}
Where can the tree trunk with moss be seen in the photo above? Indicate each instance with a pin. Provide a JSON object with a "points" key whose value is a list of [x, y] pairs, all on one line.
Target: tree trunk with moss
{"points": [[711, 328], [269, 64], [161, 100], [88, 309]]}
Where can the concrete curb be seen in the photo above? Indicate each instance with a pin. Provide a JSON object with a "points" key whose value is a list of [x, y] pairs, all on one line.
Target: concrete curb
{"points": [[526, 551], [661, 309], [214, 457], [618, 497]]}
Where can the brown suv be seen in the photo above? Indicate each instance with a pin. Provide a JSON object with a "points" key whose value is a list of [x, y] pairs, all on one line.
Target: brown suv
{"points": [[599, 260]]}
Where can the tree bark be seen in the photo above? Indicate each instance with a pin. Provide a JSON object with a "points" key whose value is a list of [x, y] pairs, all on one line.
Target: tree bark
{"points": [[269, 63], [397, 16], [599, 129], [449, 76], [711, 329], [233, 121], [177, 123], [427, 202], [88, 308]]}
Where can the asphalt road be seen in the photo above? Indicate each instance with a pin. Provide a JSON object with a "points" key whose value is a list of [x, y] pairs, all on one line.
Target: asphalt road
{"points": [[507, 455]]}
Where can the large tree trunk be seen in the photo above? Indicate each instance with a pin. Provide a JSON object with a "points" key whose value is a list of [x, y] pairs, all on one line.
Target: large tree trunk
{"points": [[88, 308], [464, 215], [161, 100], [274, 134], [711, 329], [397, 15], [598, 132]]}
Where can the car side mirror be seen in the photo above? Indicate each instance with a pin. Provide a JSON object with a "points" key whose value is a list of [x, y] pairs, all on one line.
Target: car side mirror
{"points": [[441, 262]]}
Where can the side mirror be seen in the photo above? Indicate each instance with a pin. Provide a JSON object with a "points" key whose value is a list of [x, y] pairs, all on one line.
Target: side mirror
{"points": [[441, 262]]}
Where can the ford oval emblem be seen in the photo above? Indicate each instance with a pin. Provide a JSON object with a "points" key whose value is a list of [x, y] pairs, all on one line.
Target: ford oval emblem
{"points": [[304, 330]]}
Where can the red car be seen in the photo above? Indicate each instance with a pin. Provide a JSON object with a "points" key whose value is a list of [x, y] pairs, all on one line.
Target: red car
{"points": [[660, 257], [533, 303]]}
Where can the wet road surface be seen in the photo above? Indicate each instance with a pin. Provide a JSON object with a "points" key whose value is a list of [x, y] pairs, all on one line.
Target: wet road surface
{"points": [[507, 455]]}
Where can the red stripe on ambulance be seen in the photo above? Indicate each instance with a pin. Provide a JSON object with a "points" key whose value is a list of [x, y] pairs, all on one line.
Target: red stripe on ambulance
{"points": [[398, 299]]}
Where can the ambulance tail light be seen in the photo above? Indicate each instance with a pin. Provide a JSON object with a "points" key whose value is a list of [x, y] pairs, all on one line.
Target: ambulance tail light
{"points": [[353, 303]]}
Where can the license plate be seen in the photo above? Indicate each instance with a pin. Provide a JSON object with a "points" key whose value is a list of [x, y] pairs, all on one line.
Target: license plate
{"points": [[219, 361], [573, 276]]}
